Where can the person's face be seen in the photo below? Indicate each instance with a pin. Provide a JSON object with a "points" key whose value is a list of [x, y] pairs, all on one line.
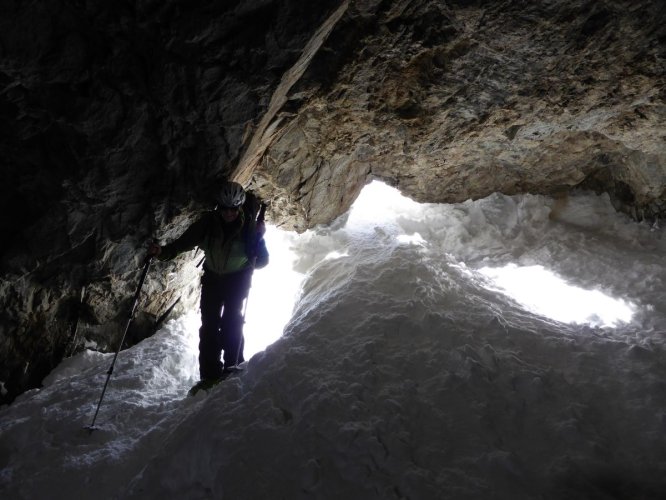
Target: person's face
{"points": [[229, 214]]}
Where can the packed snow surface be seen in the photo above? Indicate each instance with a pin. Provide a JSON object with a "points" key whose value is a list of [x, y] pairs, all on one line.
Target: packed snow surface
{"points": [[509, 348]]}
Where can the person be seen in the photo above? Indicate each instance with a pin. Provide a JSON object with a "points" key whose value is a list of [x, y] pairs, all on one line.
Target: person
{"points": [[233, 245]]}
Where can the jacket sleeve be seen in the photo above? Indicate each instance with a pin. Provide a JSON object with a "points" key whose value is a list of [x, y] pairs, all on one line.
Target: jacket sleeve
{"points": [[262, 254], [192, 237]]}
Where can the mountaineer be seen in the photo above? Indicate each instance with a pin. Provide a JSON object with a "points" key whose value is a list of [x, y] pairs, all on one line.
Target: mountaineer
{"points": [[233, 245]]}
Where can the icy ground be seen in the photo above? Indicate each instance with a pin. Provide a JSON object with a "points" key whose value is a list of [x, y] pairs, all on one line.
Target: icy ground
{"points": [[508, 348]]}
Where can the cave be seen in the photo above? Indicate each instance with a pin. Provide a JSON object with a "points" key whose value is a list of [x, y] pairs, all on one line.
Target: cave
{"points": [[120, 120]]}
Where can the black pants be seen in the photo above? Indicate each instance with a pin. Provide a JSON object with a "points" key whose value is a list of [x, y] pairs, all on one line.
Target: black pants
{"points": [[221, 321]]}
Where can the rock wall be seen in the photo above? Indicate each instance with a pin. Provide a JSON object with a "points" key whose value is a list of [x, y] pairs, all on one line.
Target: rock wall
{"points": [[119, 119]]}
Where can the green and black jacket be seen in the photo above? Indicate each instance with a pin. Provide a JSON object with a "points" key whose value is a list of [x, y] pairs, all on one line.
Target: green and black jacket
{"points": [[228, 247]]}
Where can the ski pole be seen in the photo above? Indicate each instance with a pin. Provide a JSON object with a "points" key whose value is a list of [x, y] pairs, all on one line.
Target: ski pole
{"points": [[146, 265], [260, 218]]}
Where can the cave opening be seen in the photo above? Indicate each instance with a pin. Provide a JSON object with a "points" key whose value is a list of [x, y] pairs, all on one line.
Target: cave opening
{"points": [[507, 246], [544, 292]]}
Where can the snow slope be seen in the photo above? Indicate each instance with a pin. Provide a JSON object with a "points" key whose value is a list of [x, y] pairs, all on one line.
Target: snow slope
{"points": [[419, 363]]}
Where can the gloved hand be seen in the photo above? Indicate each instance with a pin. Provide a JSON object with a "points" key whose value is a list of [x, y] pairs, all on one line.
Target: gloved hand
{"points": [[154, 249]]}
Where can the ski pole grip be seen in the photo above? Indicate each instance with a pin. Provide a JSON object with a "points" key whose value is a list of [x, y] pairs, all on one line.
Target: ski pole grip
{"points": [[262, 213]]}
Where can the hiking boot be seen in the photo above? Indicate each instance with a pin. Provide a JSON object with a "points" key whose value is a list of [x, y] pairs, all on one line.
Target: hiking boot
{"points": [[204, 385]]}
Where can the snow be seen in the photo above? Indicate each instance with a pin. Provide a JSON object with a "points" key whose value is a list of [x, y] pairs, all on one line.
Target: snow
{"points": [[436, 351]]}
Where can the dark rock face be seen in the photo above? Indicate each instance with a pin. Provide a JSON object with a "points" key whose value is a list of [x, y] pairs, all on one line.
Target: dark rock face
{"points": [[118, 119]]}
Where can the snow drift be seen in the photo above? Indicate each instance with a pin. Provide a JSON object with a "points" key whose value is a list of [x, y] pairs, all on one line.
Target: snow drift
{"points": [[409, 369]]}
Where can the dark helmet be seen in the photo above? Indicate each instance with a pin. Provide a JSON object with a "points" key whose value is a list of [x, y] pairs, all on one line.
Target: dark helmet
{"points": [[232, 195]]}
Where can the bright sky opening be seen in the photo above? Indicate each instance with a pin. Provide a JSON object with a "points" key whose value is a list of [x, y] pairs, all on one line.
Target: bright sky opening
{"points": [[275, 289], [379, 204], [545, 293]]}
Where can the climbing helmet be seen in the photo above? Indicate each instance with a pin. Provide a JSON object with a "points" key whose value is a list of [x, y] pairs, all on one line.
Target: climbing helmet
{"points": [[232, 195]]}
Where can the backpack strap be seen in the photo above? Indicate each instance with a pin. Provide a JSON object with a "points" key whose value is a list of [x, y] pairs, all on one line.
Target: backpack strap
{"points": [[254, 212]]}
